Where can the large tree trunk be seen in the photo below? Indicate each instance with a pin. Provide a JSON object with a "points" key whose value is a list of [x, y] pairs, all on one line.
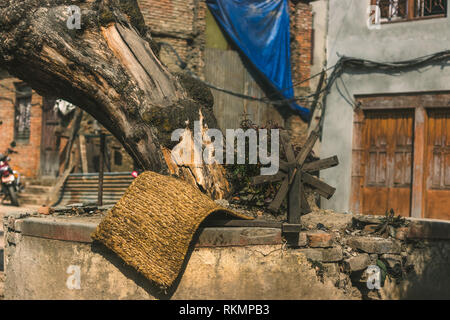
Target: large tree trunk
{"points": [[109, 69]]}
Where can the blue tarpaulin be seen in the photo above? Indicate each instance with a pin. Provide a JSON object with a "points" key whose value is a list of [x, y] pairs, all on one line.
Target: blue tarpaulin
{"points": [[260, 29]]}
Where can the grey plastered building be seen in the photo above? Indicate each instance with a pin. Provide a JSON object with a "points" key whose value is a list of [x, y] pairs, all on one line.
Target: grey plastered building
{"points": [[389, 129]]}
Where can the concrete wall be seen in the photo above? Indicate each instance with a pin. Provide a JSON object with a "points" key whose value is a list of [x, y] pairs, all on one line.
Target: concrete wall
{"points": [[320, 27], [231, 262], [37, 267], [349, 35]]}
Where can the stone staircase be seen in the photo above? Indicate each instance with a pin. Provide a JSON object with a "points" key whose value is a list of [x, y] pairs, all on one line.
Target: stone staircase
{"points": [[34, 194]]}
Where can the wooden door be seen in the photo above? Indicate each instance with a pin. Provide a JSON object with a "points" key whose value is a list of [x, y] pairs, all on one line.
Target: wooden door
{"points": [[387, 161], [49, 140], [437, 173]]}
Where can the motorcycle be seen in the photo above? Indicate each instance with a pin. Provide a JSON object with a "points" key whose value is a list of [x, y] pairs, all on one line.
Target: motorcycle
{"points": [[10, 179]]}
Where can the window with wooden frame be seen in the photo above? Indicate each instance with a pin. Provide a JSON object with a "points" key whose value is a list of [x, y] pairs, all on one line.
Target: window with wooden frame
{"points": [[407, 10], [22, 113]]}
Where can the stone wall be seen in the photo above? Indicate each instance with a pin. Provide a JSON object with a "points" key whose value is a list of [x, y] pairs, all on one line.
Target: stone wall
{"points": [[413, 257], [327, 260]]}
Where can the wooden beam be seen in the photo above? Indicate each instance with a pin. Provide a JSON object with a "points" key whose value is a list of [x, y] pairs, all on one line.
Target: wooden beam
{"points": [[305, 208], [321, 164], [322, 188], [307, 147], [288, 150], [291, 228], [418, 187], [316, 112], [279, 197], [285, 166], [410, 9], [295, 200], [83, 156], [73, 134], [54, 191], [263, 179]]}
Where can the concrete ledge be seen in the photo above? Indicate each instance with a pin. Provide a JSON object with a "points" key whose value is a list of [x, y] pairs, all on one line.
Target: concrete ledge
{"points": [[80, 231], [224, 237], [429, 229], [56, 229], [211, 233]]}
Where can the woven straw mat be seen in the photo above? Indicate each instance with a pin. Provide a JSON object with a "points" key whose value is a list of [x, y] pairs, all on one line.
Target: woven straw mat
{"points": [[153, 223]]}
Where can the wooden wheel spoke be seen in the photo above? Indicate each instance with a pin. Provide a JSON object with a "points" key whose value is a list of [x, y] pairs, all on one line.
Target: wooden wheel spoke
{"points": [[263, 179], [285, 166], [295, 173], [321, 187], [288, 149], [279, 197], [321, 164], [301, 157], [304, 203]]}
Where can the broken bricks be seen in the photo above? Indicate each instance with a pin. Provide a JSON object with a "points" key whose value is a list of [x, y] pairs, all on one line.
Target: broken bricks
{"points": [[319, 239], [374, 245], [360, 262], [323, 254]]}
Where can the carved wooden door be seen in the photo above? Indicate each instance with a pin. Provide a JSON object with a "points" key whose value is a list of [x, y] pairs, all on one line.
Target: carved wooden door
{"points": [[437, 173], [387, 161]]}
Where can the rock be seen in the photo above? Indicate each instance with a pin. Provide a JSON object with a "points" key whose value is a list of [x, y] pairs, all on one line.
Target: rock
{"points": [[302, 239], [374, 245], [344, 281], [44, 210], [13, 238], [296, 239], [360, 262], [323, 255], [331, 269], [332, 254], [391, 231], [320, 226], [392, 260], [319, 239], [401, 233], [373, 258], [370, 228], [330, 220], [75, 205], [360, 221]]}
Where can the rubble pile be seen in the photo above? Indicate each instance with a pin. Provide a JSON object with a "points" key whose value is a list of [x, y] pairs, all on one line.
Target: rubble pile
{"points": [[342, 246]]}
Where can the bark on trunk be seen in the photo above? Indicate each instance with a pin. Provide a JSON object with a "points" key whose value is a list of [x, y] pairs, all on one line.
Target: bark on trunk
{"points": [[108, 68]]}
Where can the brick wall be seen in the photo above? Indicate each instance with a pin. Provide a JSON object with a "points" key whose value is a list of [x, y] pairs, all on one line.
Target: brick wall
{"points": [[182, 24], [28, 159], [301, 46]]}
